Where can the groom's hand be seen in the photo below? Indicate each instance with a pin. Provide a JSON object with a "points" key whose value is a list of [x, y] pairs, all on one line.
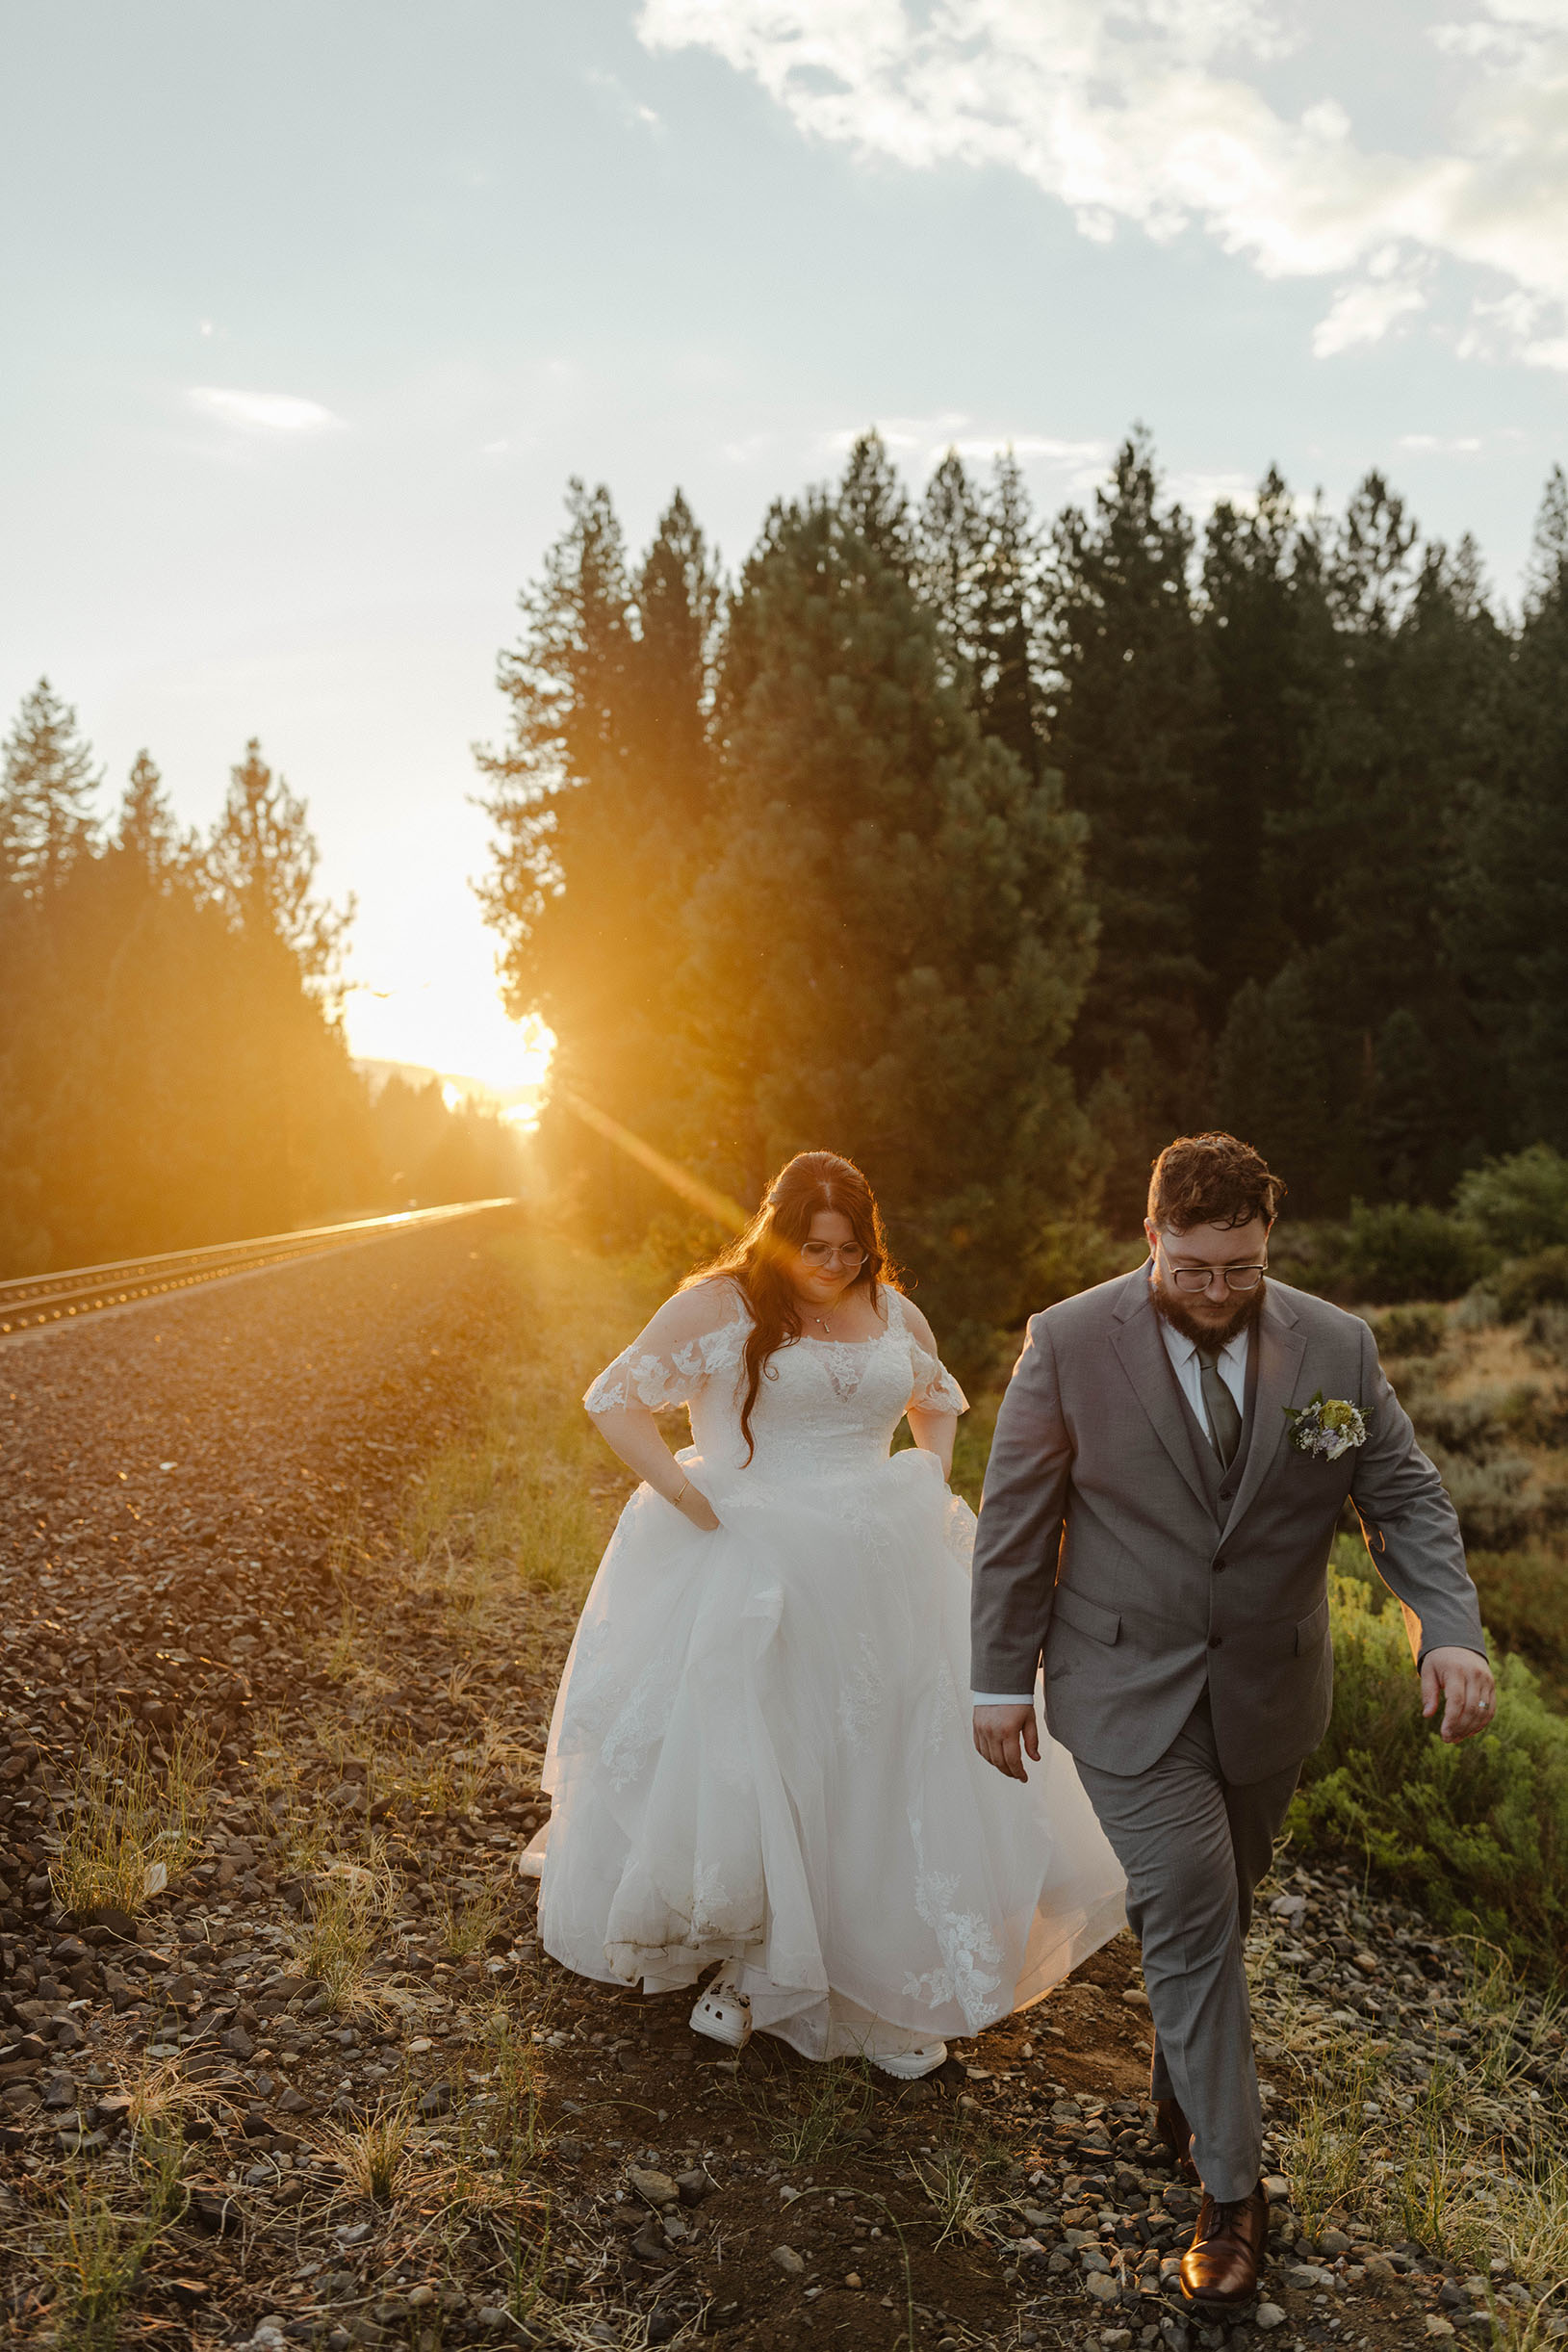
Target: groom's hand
{"points": [[1461, 1679], [997, 1733]]}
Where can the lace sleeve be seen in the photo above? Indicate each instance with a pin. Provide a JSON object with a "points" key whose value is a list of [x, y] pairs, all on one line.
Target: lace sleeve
{"points": [[933, 1388], [695, 1334]]}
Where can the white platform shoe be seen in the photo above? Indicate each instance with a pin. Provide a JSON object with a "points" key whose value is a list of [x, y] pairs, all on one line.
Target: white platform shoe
{"points": [[724, 2013]]}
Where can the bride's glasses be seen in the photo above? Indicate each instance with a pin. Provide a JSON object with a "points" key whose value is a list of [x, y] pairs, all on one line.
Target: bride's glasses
{"points": [[825, 1254]]}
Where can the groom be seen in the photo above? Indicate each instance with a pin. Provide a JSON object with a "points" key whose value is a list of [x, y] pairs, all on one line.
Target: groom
{"points": [[1153, 1527]]}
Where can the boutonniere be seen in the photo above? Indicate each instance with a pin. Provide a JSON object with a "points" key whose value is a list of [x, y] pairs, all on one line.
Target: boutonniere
{"points": [[1329, 1426]]}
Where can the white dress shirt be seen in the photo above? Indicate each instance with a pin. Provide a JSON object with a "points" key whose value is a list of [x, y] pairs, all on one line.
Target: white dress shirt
{"points": [[1183, 1354]]}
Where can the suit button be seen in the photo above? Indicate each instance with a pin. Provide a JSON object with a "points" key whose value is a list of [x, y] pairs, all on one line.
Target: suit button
{"points": [[1218, 1566], [1214, 1641], [1225, 1494]]}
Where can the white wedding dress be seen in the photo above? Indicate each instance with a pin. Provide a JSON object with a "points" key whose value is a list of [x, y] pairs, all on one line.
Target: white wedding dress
{"points": [[761, 1751]]}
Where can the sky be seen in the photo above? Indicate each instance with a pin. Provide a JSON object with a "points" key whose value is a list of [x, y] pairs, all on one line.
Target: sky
{"points": [[313, 308]]}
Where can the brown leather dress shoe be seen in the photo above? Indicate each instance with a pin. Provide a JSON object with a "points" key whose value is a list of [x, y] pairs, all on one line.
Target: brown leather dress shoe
{"points": [[1220, 2267], [1175, 2134]]}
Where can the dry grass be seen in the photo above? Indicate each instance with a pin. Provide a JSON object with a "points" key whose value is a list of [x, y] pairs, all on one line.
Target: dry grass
{"points": [[353, 1903], [1437, 2162], [514, 1507], [373, 2154], [955, 2184], [135, 1821], [809, 2115], [466, 1928]]}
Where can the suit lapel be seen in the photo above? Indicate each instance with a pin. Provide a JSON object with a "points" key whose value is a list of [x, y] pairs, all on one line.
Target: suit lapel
{"points": [[1280, 1344], [1138, 1342]]}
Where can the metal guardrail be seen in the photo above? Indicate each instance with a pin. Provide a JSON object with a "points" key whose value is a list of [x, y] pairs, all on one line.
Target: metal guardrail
{"points": [[34, 1300]]}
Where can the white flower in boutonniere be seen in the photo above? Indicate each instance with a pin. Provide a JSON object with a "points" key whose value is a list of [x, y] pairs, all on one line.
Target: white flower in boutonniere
{"points": [[1328, 1427]]}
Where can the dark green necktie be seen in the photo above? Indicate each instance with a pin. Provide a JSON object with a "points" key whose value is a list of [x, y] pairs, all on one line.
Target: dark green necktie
{"points": [[1225, 1421]]}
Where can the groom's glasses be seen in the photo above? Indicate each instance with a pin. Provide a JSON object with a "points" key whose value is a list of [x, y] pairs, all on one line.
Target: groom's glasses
{"points": [[827, 1253], [1193, 1279]]}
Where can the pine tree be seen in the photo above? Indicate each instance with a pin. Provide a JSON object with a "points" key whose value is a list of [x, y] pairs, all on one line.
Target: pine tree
{"points": [[977, 567], [893, 940], [45, 785], [1509, 895], [260, 859], [1128, 718], [1268, 646], [148, 831], [599, 801]]}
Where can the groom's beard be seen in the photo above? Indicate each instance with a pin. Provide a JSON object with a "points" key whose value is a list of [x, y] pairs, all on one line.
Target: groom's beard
{"points": [[1214, 1333]]}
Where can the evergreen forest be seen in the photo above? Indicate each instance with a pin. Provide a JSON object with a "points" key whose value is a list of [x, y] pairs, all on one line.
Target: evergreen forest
{"points": [[172, 1068], [996, 849]]}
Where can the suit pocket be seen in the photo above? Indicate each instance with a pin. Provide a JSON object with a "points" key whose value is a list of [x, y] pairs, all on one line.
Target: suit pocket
{"points": [[1087, 1616], [1309, 1633]]}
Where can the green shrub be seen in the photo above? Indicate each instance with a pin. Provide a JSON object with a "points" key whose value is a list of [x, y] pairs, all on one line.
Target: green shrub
{"points": [[1410, 1331], [1495, 1498], [1398, 1251], [1524, 1597], [1546, 1336], [1536, 1416], [1540, 1280], [1520, 1204], [1460, 1425], [1478, 1834]]}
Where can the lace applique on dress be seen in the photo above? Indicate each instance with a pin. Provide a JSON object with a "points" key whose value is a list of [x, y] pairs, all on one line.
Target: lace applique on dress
{"points": [[860, 1699], [668, 1362], [963, 1938], [944, 1711]]}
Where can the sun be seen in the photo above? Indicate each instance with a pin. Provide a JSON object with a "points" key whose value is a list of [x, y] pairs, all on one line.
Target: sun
{"points": [[459, 1032]]}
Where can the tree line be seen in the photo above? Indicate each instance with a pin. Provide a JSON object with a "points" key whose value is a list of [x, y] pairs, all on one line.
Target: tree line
{"points": [[172, 1064], [994, 852]]}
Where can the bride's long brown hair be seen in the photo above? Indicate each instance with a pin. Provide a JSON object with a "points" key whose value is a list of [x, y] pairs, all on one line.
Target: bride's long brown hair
{"points": [[811, 1182]]}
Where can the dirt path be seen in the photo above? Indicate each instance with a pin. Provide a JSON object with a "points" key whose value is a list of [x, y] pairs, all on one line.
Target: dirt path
{"points": [[325, 2087]]}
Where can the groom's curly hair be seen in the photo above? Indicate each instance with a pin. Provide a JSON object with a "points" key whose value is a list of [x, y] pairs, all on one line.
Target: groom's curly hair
{"points": [[1212, 1180]]}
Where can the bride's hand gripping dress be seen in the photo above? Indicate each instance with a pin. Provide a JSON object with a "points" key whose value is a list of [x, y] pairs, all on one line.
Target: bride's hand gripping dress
{"points": [[761, 1748]]}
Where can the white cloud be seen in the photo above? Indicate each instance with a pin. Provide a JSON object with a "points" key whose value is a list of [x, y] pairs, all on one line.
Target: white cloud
{"points": [[1364, 314], [1440, 445], [272, 412], [1154, 113]]}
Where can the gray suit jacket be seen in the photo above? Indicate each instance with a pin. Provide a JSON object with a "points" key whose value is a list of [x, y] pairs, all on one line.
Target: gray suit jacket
{"points": [[1112, 1542]]}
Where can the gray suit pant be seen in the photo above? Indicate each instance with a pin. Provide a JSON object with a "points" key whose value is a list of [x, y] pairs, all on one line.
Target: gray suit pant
{"points": [[1194, 1845]]}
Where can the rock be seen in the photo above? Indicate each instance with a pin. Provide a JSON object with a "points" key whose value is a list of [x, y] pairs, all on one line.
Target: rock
{"points": [[437, 2100], [117, 1924], [694, 2187], [390, 2308], [211, 2210], [852, 2278], [1333, 2241], [59, 2092], [788, 2260], [349, 1796], [1136, 1998], [1267, 2315], [421, 2298], [1102, 2287], [1437, 2325], [654, 2188], [239, 2042], [1276, 2188], [661, 2326]]}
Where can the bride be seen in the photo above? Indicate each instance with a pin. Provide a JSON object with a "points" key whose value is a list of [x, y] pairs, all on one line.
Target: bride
{"points": [[760, 1752]]}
